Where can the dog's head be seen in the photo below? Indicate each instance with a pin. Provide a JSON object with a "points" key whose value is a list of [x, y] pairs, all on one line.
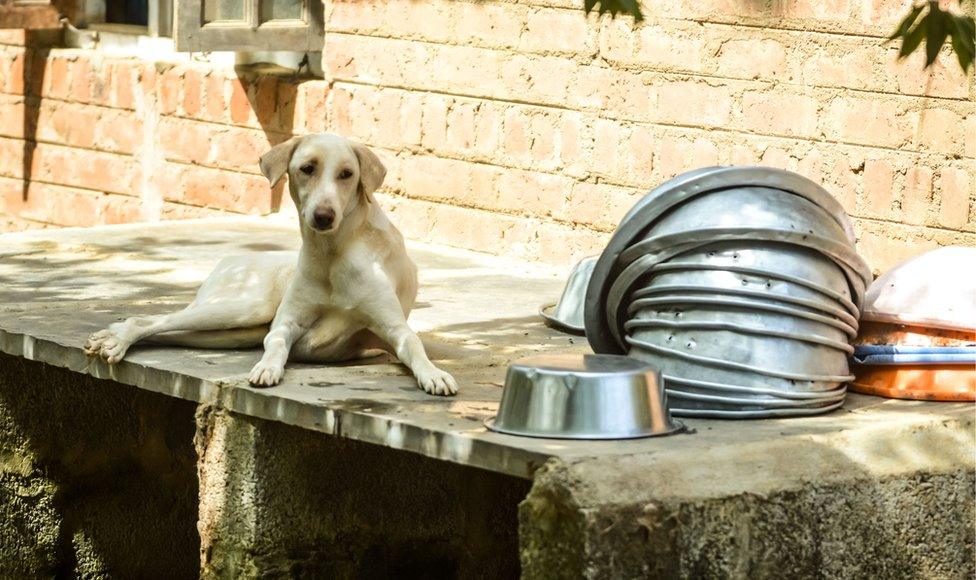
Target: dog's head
{"points": [[328, 176]]}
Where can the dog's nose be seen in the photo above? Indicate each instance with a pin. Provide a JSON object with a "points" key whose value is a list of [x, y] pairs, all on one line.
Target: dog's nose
{"points": [[322, 218]]}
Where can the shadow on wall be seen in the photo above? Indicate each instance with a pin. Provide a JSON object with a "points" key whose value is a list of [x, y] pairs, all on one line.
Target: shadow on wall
{"points": [[272, 97], [35, 66]]}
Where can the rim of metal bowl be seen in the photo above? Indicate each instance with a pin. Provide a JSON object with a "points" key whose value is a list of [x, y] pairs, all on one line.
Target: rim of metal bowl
{"points": [[745, 206], [557, 324], [732, 327], [768, 403], [735, 366], [742, 303], [756, 390], [691, 266], [767, 414], [746, 293], [658, 200], [678, 427]]}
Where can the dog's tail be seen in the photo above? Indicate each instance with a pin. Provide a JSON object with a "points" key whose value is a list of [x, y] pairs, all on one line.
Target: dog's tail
{"points": [[230, 338]]}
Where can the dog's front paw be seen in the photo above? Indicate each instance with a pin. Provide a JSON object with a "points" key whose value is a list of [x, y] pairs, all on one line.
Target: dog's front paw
{"points": [[108, 344], [437, 382], [266, 374]]}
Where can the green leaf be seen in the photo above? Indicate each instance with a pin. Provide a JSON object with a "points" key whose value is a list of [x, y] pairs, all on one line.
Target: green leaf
{"points": [[906, 23], [963, 41], [911, 40], [614, 7], [938, 30]]}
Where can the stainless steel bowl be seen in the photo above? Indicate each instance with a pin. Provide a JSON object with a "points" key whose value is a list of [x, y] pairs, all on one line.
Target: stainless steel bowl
{"points": [[567, 314], [755, 282], [768, 353], [710, 370], [788, 262], [748, 206], [655, 289], [570, 396], [742, 316]]}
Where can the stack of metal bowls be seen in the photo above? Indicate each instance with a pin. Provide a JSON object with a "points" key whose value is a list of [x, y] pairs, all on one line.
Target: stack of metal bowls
{"points": [[742, 284]]}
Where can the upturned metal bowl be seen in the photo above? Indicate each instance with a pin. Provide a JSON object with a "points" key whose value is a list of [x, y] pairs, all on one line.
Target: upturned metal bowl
{"points": [[674, 363], [787, 262], [654, 289], [757, 207], [740, 315], [767, 354], [567, 314], [583, 397], [755, 283]]}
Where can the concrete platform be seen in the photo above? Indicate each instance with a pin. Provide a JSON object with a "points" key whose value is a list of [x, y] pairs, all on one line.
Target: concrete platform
{"points": [[596, 509]]}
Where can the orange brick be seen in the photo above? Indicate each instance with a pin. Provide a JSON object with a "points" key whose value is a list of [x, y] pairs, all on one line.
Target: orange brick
{"points": [[15, 80], [780, 113], [121, 79], [58, 80], [942, 131], [240, 106], [917, 200], [754, 58], [956, 192], [216, 105], [184, 140], [192, 89], [879, 188], [169, 85], [693, 103], [81, 76]]}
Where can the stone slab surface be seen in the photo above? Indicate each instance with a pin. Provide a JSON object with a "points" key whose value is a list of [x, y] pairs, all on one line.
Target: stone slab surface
{"points": [[475, 312]]}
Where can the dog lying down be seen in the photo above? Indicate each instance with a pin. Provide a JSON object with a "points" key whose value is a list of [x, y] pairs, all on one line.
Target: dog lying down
{"points": [[348, 291]]}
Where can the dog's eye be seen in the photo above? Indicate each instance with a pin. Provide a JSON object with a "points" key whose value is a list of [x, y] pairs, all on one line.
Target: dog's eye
{"points": [[307, 169], [345, 174]]}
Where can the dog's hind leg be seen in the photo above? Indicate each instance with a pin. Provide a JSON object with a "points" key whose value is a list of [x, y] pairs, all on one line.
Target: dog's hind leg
{"points": [[112, 343]]}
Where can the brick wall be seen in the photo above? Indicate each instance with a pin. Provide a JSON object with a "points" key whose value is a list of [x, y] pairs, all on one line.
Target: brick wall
{"points": [[88, 139], [524, 128]]}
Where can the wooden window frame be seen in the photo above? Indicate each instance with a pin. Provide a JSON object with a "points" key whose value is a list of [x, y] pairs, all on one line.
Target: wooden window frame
{"points": [[192, 34]]}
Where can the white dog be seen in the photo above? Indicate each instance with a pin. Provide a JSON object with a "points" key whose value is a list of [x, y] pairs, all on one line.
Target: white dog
{"points": [[348, 291]]}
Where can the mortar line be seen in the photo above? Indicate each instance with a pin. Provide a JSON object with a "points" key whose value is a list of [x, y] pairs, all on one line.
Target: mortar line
{"points": [[632, 68], [632, 121]]}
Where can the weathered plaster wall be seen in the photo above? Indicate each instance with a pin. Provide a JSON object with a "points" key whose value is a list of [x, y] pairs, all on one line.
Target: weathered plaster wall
{"points": [[95, 480], [514, 127], [100, 479], [891, 503]]}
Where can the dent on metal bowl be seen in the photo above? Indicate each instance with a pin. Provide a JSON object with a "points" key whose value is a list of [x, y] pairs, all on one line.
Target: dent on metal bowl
{"points": [[576, 396]]}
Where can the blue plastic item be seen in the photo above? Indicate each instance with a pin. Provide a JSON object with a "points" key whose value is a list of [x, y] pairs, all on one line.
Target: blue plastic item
{"points": [[914, 355]]}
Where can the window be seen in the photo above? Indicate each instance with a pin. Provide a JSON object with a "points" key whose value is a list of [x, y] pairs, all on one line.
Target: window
{"points": [[249, 25], [200, 25], [153, 17]]}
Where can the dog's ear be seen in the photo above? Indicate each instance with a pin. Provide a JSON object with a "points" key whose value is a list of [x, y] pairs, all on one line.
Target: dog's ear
{"points": [[371, 170], [274, 163]]}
